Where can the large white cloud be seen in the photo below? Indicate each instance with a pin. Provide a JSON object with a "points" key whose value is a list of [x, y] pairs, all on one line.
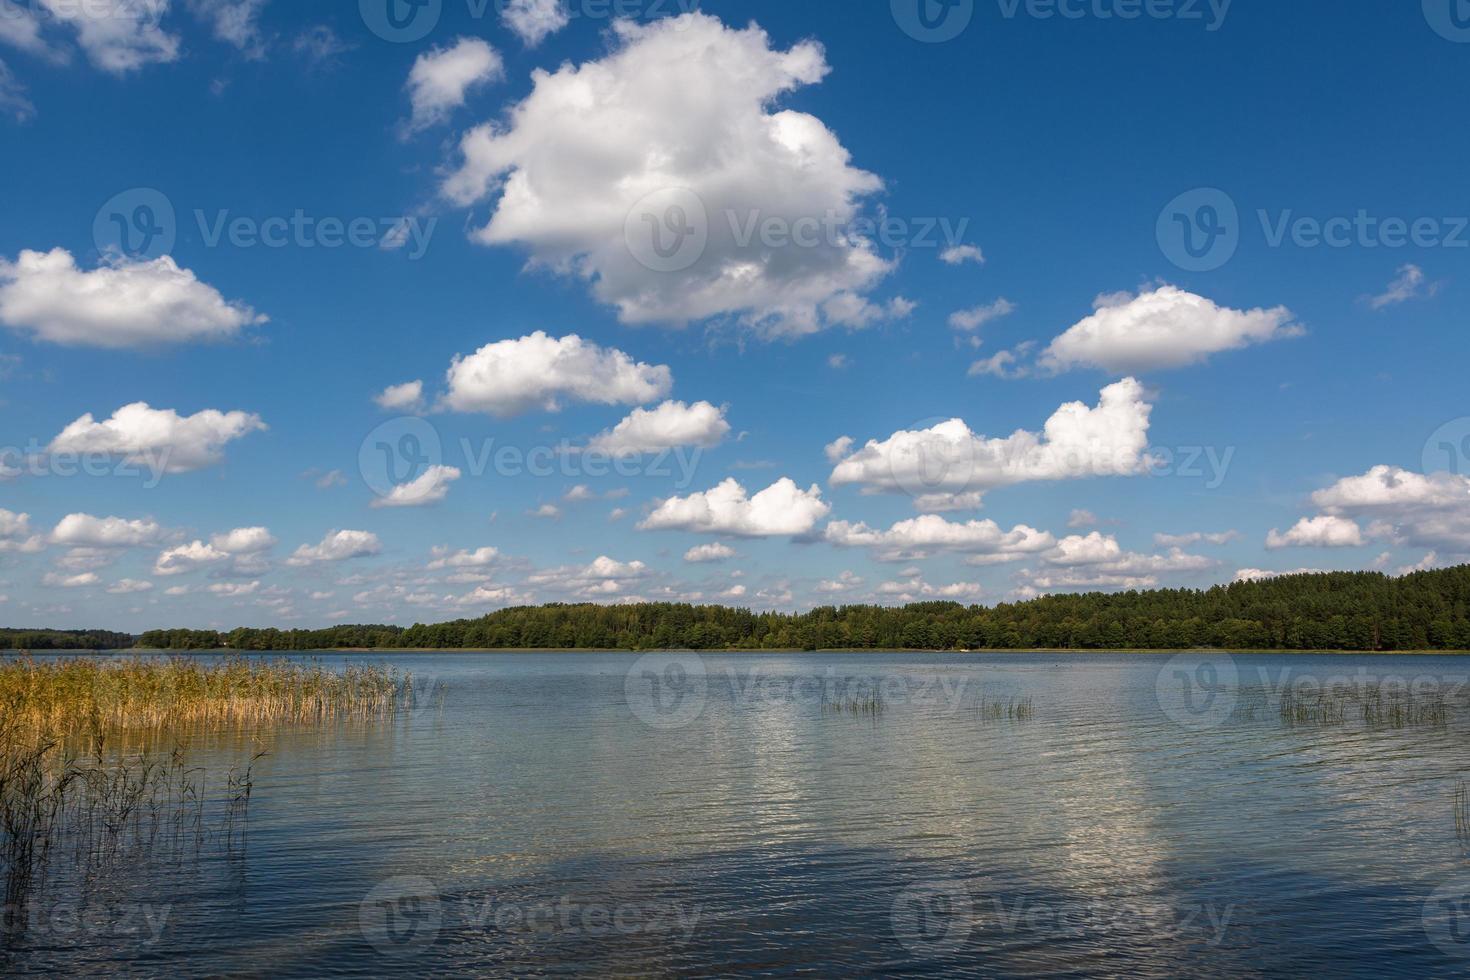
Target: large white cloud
{"points": [[441, 78], [1423, 511], [122, 303], [337, 546], [1161, 328], [86, 531], [668, 426], [510, 377], [949, 459], [678, 128], [118, 35], [161, 439], [783, 508], [1323, 531], [929, 534]]}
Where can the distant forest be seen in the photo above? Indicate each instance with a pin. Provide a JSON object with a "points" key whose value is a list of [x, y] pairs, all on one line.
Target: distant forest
{"points": [[1336, 611], [64, 640]]}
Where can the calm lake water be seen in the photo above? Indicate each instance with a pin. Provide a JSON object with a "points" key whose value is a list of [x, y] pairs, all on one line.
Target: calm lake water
{"points": [[606, 814]]}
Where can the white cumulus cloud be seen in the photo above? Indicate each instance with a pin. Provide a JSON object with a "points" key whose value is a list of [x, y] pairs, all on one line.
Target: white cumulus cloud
{"points": [[783, 508], [707, 553], [534, 20], [188, 557], [337, 546], [929, 534], [160, 439], [429, 487], [1110, 439], [122, 303], [407, 397], [86, 531], [1325, 531], [1165, 327], [676, 134], [510, 377], [668, 426], [441, 78]]}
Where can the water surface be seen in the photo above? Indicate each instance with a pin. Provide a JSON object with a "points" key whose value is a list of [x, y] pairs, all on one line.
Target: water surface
{"points": [[602, 814]]}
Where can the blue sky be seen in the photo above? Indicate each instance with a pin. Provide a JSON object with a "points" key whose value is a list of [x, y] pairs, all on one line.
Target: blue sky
{"points": [[1294, 382]]}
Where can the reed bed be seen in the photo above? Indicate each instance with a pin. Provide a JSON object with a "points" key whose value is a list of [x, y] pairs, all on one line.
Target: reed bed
{"points": [[1008, 709], [1313, 709], [86, 771], [1398, 710], [1462, 813], [66, 696], [863, 705]]}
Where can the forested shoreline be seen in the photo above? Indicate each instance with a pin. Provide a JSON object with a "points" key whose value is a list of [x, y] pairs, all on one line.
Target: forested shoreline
{"points": [[1365, 611]]}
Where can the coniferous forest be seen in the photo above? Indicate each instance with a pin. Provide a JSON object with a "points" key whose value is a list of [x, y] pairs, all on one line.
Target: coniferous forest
{"points": [[1365, 611]]}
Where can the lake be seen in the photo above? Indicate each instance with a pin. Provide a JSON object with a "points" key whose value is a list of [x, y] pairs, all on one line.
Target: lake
{"points": [[839, 814]]}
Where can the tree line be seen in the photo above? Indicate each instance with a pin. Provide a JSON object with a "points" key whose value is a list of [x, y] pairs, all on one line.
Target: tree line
{"points": [[16, 639], [1365, 611]]}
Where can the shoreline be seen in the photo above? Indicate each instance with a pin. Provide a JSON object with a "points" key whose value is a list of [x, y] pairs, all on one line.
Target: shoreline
{"points": [[909, 651]]}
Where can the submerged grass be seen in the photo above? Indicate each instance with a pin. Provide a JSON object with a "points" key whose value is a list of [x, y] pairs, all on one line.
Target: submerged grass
{"points": [[1377, 707], [1010, 709], [862, 705], [86, 766]]}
